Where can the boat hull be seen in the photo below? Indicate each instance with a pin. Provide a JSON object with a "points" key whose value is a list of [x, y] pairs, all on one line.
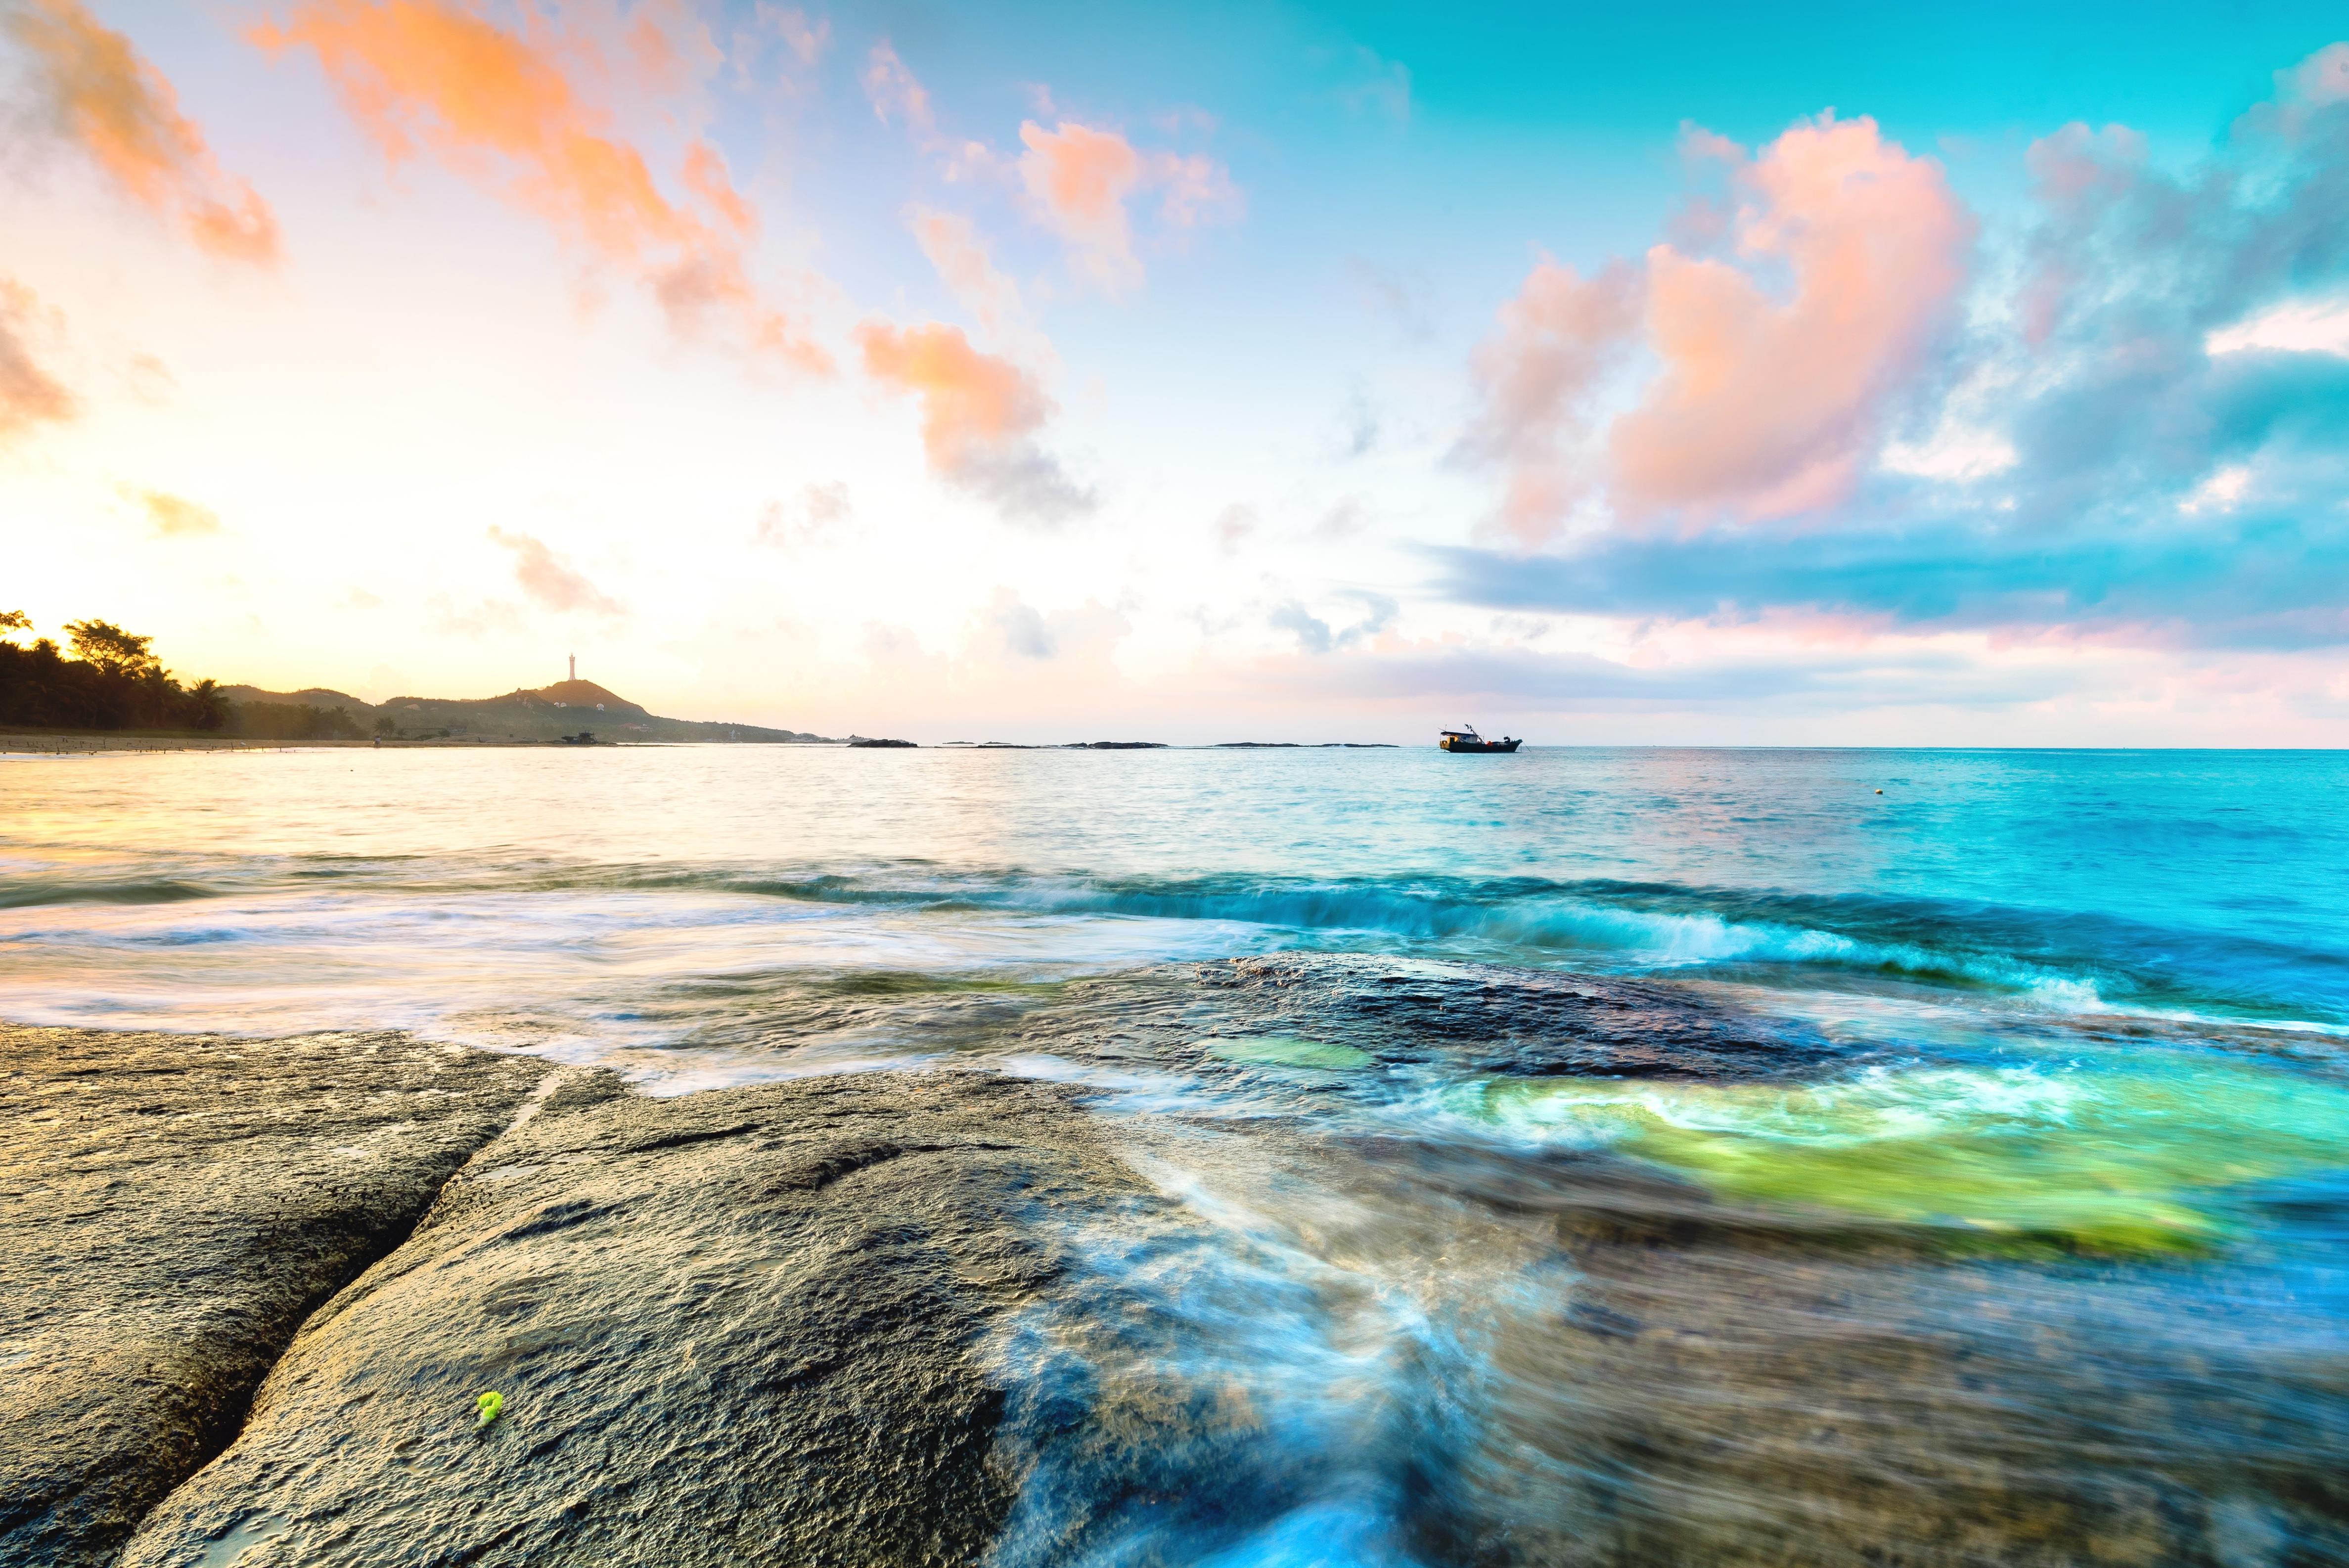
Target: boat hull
{"points": [[1477, 748]]}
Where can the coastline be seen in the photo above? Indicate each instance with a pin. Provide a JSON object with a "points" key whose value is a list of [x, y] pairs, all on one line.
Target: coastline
{"points": [[115, 742], [112, 743], [76, 743]]}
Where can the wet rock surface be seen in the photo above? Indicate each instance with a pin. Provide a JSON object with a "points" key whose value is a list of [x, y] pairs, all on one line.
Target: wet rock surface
{"points": [[744, 1326], [171, 1208], [1709, 1382], [1743, 1398], [1482, 1357], [1297, 1308], [1475, 1016], [1471, 1016]]}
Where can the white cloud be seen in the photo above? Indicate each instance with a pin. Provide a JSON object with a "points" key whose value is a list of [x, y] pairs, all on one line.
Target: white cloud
{"points": [[2300, 326], [2222, 491], [1953, 452]]}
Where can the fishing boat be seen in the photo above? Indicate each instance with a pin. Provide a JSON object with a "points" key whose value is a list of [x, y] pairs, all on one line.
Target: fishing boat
{"points": [[1468, 741]]}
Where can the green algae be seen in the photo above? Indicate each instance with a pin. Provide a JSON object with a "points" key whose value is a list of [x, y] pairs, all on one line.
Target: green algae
{"points": [[2127, 1156], [1288, 1051]]}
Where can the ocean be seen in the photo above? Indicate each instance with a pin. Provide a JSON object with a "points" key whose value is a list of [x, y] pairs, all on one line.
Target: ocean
{"points": [[1588, 1155]]}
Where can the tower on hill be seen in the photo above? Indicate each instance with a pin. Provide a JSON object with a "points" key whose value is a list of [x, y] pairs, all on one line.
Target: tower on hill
{"points": [[575, 669]]}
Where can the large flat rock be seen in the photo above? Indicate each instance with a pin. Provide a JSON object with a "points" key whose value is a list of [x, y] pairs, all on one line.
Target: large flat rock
{"points": [[744, 1326], [171, 1208]]}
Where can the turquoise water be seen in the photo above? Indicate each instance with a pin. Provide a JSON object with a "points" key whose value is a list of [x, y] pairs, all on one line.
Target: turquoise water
{"points": [[1609, 1156]]}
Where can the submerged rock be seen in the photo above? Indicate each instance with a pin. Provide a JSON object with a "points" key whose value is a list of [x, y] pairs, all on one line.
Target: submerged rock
{"points": [[1484, 1017], [744, 1326], [172, 1207]]}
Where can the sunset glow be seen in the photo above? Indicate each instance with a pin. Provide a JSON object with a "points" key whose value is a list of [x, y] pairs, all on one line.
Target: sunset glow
{"points": [[1241, 373]]}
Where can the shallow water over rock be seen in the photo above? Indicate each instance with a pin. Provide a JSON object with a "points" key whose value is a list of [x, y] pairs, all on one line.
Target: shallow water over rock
{"points": [[1394, 1318]]}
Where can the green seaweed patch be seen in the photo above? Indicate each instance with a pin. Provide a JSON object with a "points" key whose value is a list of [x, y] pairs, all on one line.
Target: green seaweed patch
{"points": [[2124, 1157], [1288, 1051]]}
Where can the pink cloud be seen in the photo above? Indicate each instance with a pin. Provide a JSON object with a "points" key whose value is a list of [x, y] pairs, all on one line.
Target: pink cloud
{"points": [[980, 414], [669, 46], [551, 580], [1769, 407], [29, 396], [433, 76], [1557, 341], [1198, 190], [897, 96], [1080, 182], [105, 99], [1766, 398], [1079, 178], [2317, 81], [963, 264], [706, 175], [971, 401]]}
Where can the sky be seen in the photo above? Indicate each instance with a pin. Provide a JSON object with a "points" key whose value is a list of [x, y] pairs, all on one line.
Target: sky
{"points": [[1692, 375]]}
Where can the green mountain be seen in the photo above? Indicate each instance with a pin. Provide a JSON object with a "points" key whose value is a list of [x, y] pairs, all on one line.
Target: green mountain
{"points": [[547, 713]]}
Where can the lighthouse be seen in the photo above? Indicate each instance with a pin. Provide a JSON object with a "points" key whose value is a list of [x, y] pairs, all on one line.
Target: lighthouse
{"points": [[574, 666]]}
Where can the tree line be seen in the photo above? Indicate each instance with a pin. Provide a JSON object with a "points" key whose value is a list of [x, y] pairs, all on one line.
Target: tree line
{"points": [[112, 679]]}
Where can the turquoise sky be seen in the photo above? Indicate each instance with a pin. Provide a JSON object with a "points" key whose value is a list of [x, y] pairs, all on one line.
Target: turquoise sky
{"points": [[1620, 374]]}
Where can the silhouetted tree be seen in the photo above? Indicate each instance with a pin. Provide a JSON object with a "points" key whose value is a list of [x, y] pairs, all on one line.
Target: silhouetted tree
{"points": [[111, 650], [113, 682], [206, 707]]}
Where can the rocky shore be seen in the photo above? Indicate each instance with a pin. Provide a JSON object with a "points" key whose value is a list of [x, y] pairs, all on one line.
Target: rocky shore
{"points": [[253, 1289], [171, 1210]]}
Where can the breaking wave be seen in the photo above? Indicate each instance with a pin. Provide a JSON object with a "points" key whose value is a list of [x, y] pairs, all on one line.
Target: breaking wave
{"points": [[2062, 961]]}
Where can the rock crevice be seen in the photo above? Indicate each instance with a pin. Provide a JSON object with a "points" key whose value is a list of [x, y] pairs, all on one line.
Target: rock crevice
{"points": [[172, 1209]]}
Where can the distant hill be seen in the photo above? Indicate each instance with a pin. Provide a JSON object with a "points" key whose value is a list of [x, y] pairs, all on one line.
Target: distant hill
{"points": [[584, 694], [308, 696], [547, 713]]}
